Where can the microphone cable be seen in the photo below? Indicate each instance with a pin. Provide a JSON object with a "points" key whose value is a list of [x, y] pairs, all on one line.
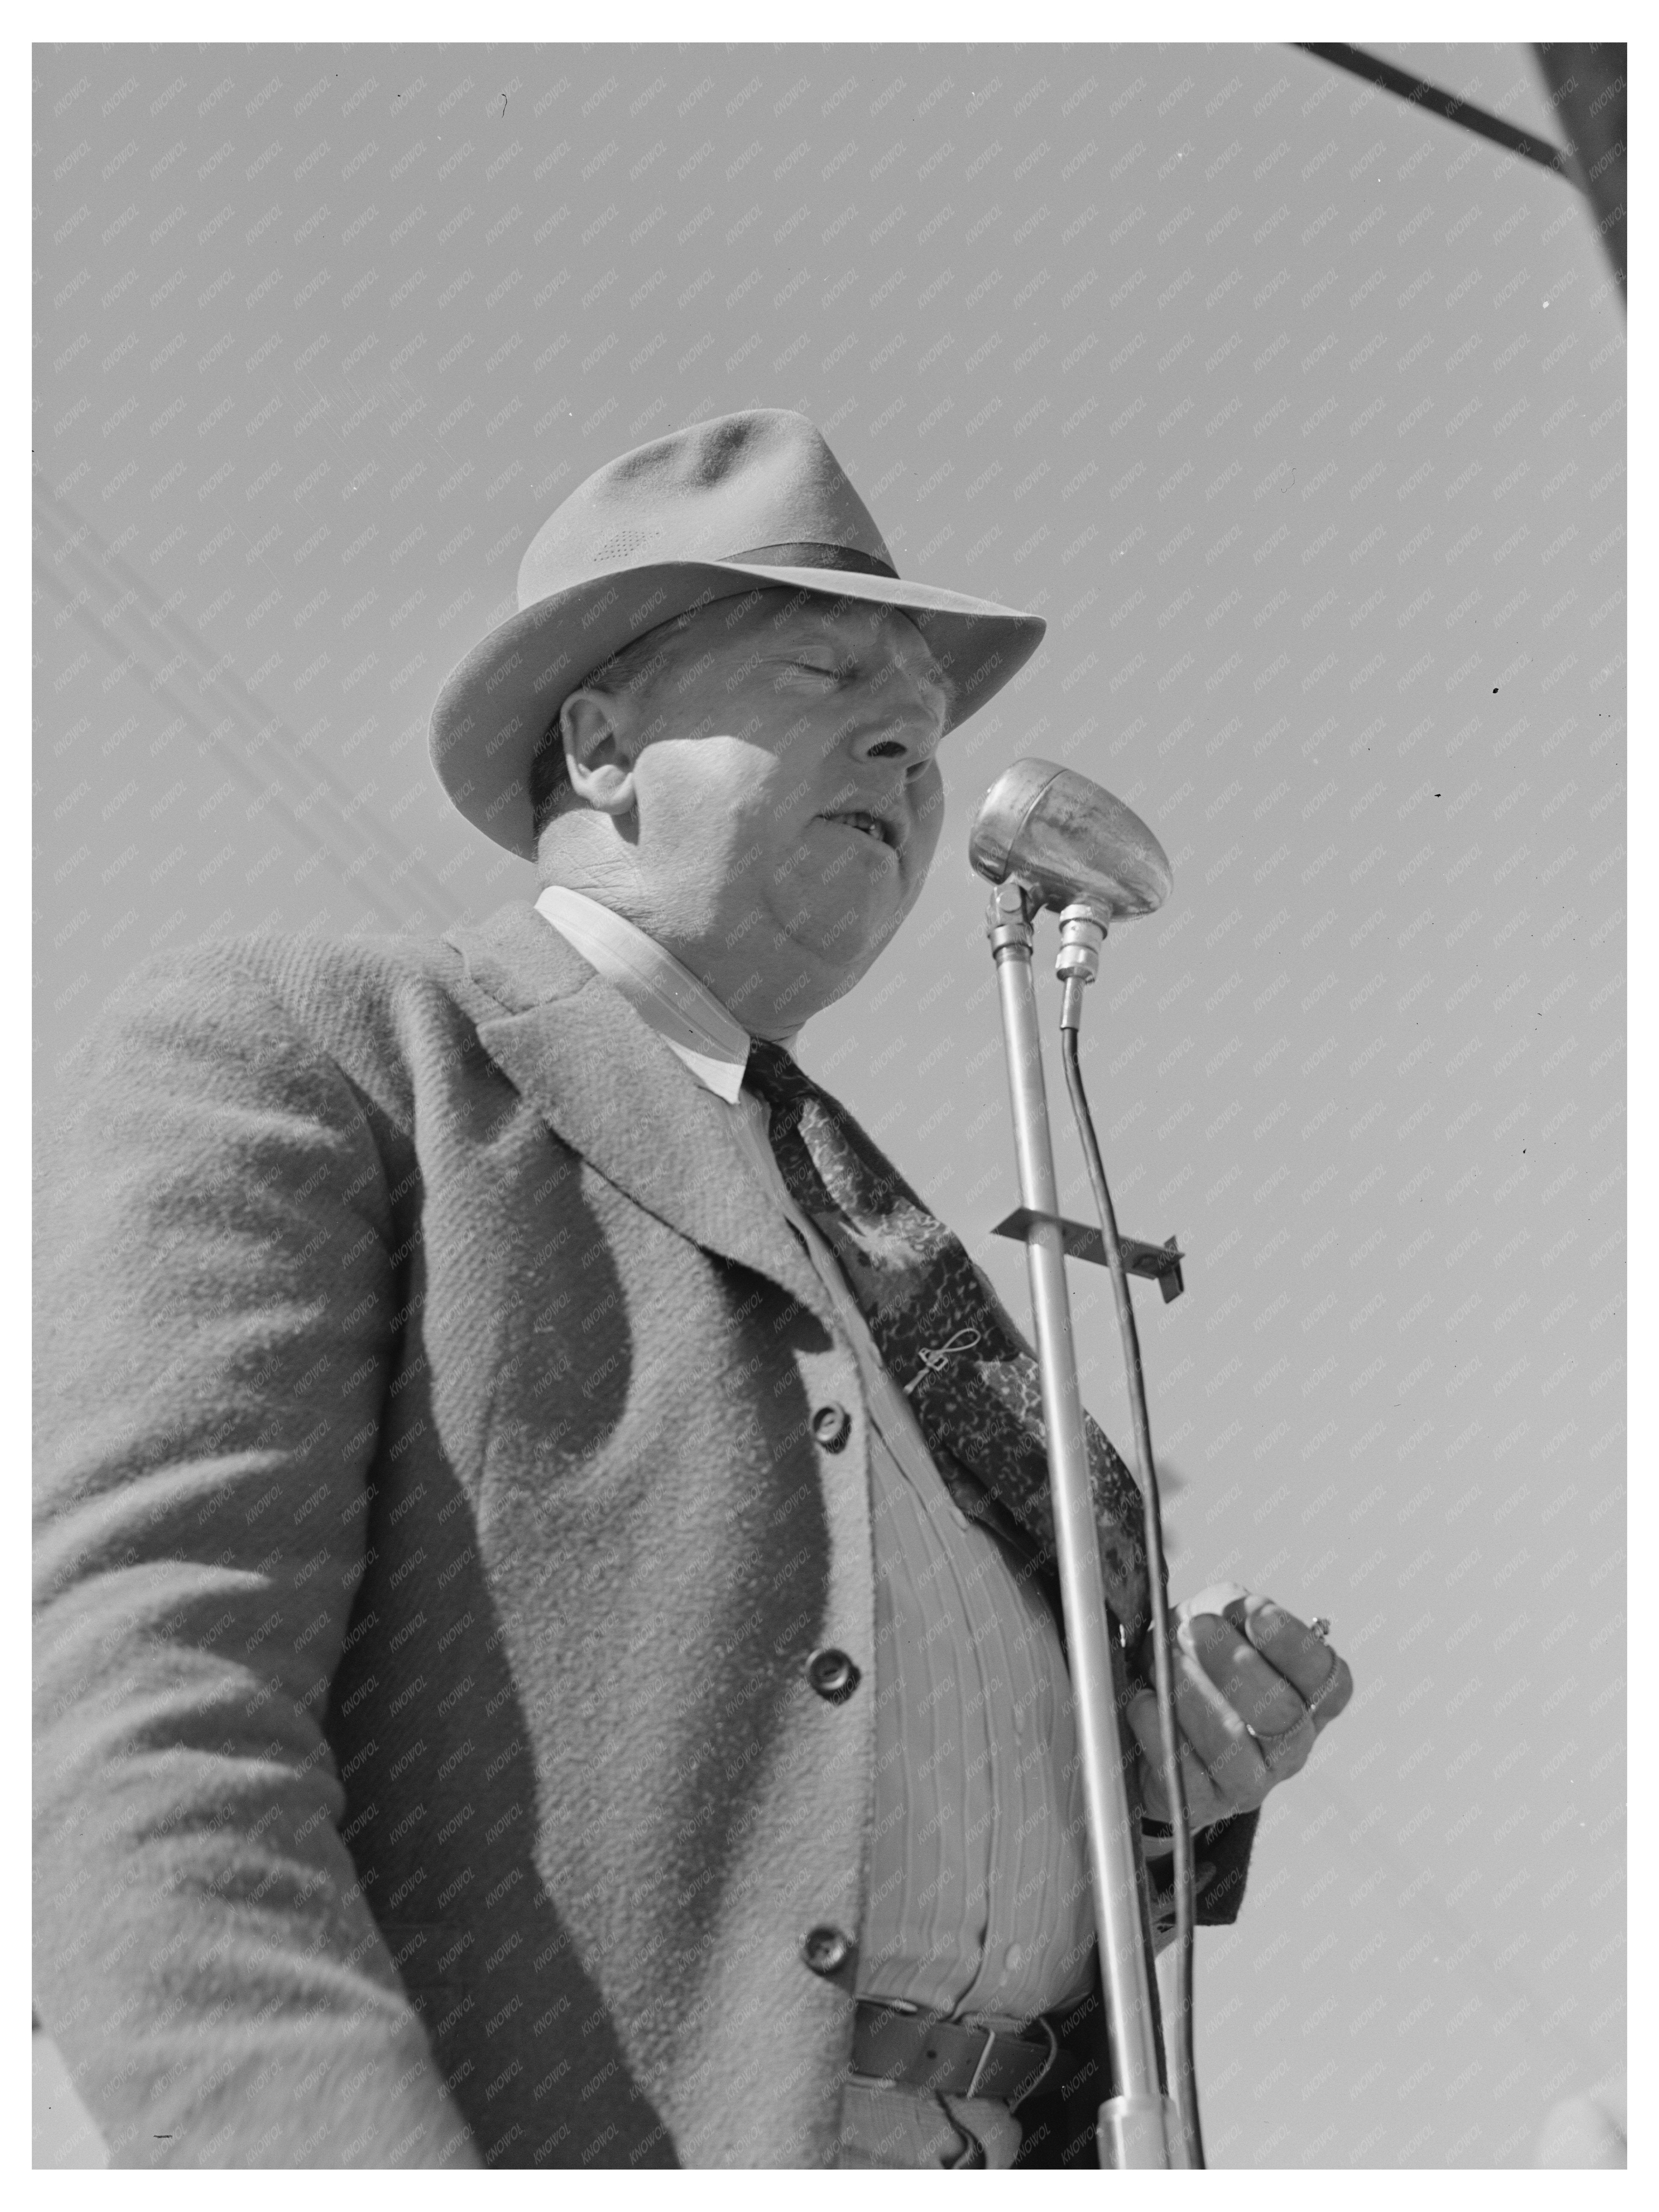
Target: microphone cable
{"points": [[1178, 2048]]}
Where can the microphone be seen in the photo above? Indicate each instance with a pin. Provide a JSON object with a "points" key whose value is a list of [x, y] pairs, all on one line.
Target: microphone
{"points": [[1071, 840], [1048, 837]]}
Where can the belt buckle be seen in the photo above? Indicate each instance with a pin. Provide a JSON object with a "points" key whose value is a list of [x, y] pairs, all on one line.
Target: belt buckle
{"points": [[983, 2061]]}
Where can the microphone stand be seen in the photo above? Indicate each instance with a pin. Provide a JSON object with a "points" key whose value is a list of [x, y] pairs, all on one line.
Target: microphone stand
{"points": [[1138, 2126]]}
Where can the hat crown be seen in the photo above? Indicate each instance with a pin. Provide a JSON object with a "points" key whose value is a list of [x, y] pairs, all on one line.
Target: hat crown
{"points": [[741, 484]]}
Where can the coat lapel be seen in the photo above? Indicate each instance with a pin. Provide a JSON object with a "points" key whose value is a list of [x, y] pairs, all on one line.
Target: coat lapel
{"points": [[612, 1090]]}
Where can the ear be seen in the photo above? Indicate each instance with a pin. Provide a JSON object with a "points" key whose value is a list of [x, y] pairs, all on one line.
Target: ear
{"points": [[598, 759]]}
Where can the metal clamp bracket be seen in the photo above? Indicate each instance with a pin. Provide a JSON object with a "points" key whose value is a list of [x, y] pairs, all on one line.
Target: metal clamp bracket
{"points": [[1082, 1241]]}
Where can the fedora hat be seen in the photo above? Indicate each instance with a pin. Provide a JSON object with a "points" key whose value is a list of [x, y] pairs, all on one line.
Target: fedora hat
{"points": [[711, 512]]}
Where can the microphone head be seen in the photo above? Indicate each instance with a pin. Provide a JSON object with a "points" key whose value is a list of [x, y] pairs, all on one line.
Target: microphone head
{"points": [[1069, 840]]}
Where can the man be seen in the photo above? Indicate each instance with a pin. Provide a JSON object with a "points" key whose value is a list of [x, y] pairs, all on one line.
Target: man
{"points": [[547, 1652]]}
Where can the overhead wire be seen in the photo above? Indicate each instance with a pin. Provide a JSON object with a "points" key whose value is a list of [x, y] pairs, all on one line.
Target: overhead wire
{"points": [[325, 812], [1451, 106]]}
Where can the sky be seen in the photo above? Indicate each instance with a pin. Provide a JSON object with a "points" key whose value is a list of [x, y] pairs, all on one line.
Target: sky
{"points": [[1300, 416]]}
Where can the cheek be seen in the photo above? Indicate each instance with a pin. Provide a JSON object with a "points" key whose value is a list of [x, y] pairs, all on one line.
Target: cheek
{"points": [[699, 800], [927, 803]]}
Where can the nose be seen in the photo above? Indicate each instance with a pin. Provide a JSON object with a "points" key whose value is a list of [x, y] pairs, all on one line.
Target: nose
{"points": [[904, 729]]}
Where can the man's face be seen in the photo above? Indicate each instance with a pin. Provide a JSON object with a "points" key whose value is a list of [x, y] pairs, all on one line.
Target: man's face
{"points": [[786, 791]]}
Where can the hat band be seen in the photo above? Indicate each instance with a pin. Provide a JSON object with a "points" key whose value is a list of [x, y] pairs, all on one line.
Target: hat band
{"points": [[809, 553]]}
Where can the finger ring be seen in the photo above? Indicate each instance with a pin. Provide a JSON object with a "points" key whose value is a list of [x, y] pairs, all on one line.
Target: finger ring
{"points": [[1320, 1626]]}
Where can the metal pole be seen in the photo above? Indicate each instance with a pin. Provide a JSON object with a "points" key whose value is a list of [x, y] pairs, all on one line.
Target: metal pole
{"points": [[1587, 84], [1137, 2127]]}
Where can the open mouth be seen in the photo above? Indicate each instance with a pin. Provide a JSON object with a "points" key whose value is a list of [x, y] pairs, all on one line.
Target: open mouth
{"points": [[867, 824]]}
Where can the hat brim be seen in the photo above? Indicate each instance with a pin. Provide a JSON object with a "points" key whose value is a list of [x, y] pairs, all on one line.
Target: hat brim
{"points": [[496, 702]]}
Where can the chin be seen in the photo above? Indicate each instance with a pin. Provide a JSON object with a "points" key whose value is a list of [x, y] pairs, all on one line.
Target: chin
{"points": [[852, 971], [851, 937], [841, 939]]}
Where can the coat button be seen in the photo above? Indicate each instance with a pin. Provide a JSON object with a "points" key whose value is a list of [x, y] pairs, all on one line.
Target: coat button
{"points": [[832, 1425], [833, 1675], [826, 1950]]}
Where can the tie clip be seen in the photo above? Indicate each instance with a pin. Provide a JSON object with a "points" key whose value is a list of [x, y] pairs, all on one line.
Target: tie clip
{"points": [[934, 1357]]}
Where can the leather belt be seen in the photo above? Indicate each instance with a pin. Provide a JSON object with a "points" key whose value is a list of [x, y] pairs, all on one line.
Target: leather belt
{"points": [[924, 2051]]}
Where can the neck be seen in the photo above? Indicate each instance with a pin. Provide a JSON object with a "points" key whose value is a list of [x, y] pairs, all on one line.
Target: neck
{"points": [[760, 976]]}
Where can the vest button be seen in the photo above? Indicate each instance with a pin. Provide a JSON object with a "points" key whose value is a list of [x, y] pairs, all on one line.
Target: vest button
{"points": [[832, 1425], [833, 1675], [826, 1950]]}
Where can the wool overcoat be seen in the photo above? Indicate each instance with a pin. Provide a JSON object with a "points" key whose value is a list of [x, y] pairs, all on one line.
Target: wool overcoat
{"points": [[446, 1471]]}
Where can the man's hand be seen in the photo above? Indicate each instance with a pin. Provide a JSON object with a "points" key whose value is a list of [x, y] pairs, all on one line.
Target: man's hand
{"points": [[1253, 1687]]}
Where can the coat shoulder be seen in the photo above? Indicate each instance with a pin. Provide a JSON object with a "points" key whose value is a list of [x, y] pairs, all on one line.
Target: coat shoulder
{"points": [[334, 980], [360, 1002], [274, 1023]]}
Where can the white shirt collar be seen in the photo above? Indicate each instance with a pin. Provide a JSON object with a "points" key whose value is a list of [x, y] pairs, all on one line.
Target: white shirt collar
{"points": [[681, 1008]]}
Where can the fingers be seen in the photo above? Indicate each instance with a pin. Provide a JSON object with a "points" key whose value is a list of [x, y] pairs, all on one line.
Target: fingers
{"points": [[1254, 1686], [1329, 1700], [1228, 1598], [1320, 1674], [1255, 1690], [1229, 1771], [1205, 1802], [1214, 1721]]}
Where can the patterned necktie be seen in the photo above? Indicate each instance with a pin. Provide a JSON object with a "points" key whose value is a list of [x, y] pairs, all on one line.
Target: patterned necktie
{"points": [[943, 1333]]}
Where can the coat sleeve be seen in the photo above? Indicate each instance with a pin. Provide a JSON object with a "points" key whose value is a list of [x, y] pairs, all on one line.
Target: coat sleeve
{"points": [[215, 1304]]}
